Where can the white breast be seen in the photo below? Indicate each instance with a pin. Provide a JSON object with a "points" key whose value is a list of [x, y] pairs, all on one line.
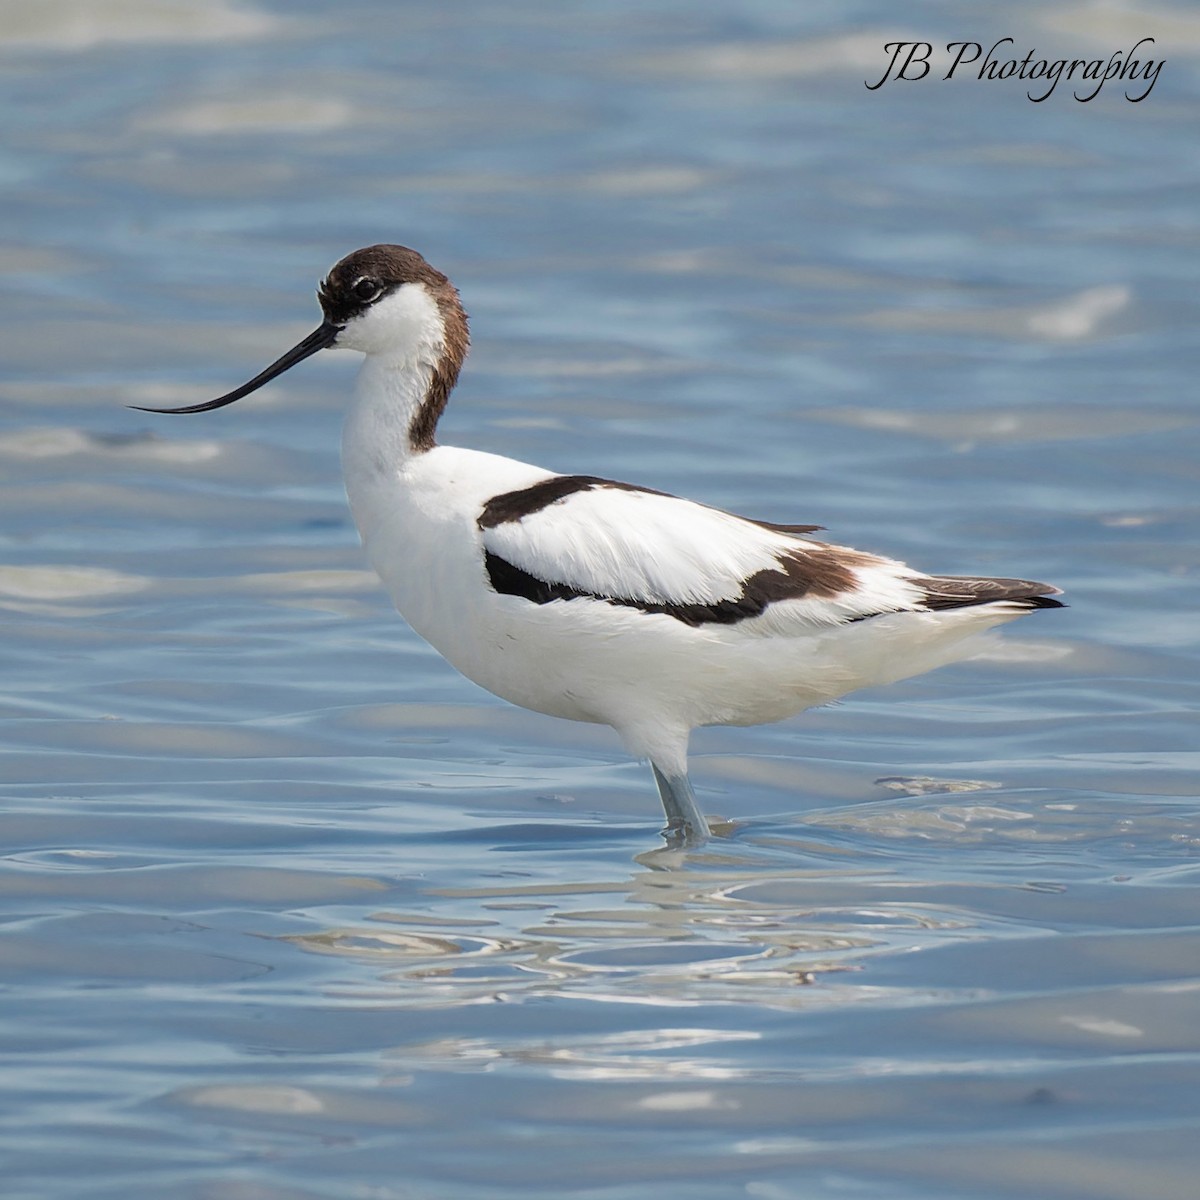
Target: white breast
{"points": [[418, 522]]}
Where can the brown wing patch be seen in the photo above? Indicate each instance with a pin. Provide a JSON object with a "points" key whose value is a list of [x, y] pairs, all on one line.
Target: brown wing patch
{"points": [[515, 506], [790, 530], [815, 571], [820, 572]]}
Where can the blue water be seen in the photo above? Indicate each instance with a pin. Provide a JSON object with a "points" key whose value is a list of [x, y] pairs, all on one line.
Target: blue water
{"points": [[291, 911]]}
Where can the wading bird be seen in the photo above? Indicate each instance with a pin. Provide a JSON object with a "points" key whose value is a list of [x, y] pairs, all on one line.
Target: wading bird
{"points": [[596, 600]]}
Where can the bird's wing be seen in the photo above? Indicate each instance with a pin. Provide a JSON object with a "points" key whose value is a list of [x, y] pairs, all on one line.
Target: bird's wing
{"points": [[575, 536]]}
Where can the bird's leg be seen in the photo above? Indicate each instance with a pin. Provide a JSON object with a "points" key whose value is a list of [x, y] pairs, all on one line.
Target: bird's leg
{"points": [[686, 825]]}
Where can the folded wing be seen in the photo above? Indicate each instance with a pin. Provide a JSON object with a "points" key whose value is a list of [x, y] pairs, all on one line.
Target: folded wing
{"points": [[574, 537]]}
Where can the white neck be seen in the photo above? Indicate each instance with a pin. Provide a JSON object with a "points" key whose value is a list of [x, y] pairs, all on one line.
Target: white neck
{"points": [[388, 394], [403, 336]]}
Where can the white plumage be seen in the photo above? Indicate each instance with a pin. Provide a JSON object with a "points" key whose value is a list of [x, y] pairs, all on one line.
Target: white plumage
{"points": [[596, 600], [629, 543]]}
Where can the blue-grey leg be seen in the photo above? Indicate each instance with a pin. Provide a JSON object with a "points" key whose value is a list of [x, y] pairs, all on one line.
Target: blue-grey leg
{"points": [[685, 822]]}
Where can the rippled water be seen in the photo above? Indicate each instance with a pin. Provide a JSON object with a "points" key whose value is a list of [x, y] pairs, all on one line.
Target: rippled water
{"points": [[291, 911]]}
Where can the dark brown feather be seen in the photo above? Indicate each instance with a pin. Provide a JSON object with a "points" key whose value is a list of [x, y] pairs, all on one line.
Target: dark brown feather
{"points": [[955, 591], [819, 572], [515, 506]]}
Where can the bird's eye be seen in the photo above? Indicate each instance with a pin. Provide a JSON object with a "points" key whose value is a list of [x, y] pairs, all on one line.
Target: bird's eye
{"points": [[367, 290]]}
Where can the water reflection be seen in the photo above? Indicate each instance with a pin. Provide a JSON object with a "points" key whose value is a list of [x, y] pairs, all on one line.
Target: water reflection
{"points": [[625, 1055], [695, 928]]}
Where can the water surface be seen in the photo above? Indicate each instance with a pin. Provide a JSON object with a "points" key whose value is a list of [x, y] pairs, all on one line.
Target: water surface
{"points": [[292, 911]]}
